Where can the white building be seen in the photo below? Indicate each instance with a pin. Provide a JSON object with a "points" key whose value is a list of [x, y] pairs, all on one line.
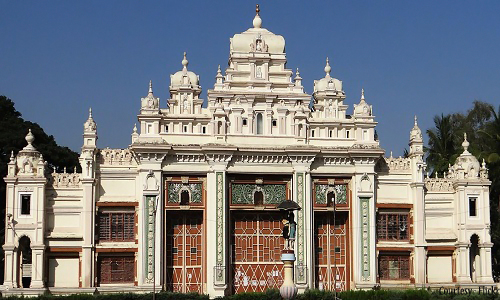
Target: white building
{"points": [[191, 204]]}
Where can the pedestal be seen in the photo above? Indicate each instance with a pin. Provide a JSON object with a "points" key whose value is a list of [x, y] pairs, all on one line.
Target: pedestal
{"points": [[288, 290]]}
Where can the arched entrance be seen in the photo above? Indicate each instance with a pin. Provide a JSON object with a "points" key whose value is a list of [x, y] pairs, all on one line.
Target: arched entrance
{"points": [[474, 258], [24, 261]]}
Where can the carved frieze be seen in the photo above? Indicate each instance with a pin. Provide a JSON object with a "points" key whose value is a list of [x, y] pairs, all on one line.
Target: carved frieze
{"points": [[115, 157], [439, 185], [64, 180]]}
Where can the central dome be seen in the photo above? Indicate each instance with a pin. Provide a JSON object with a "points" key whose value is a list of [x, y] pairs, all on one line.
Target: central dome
{"points": [[257, 39]]}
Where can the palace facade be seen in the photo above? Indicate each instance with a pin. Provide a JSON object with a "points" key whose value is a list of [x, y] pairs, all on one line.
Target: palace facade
{"points": [[190, 205]]}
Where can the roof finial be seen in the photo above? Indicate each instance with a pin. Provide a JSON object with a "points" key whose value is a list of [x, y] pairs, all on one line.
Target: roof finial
{"points": [[135, 128], [12, 156], [90, 112], [185, 61], [362, 94], [465, 144], [327, 67], [257, 21], [416, 120], [150, 92]]}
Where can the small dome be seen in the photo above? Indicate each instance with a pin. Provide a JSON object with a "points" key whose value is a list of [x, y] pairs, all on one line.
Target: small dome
{"points": [[466, 162], [416, 133], [362, 109], [184, 77], [257, 39], [328, 82]]}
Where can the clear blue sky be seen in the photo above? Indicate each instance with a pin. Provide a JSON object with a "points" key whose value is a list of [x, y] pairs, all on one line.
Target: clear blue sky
{"points": [[58, 58]]}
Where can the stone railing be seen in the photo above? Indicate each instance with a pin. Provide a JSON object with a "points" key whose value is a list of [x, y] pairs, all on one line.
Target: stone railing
{"points": [[439, 184], [115, 157], [65, 180]]}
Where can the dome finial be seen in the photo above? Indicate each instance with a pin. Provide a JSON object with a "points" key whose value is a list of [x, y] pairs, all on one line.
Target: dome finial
{"points": [[416, 120], [465, 144], [328, 69], [90, 112], [150, 92], [185, 61], [362, 94], [257, 21], [30, 138]]}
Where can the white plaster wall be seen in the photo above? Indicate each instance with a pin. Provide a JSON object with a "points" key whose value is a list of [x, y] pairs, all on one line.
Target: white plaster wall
{"points": [[439, 269], [63, 272]]}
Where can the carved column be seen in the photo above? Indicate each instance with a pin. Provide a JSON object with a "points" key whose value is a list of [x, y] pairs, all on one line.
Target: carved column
{"points": [[217, 209], [304, 265]]}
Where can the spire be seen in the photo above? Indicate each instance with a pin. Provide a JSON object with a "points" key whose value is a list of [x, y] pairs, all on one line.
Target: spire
{"points": [[465, 144], [328, 69], [90, 124], [150, 92], [185, 62], [298, 79], [416, 124], [362, 95], [257, 21]]}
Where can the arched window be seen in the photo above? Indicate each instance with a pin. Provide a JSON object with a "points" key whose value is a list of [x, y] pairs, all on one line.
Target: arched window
{"points": [[260, 125], [219, 127], [258, 198], [184, 197], [330, 199]]}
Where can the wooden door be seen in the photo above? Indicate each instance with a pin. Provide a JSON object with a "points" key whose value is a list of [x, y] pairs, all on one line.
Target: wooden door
{"points": [[184, 251]]}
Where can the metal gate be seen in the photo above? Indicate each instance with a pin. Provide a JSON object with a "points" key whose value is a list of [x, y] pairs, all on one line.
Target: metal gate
{"points": [[256, 245], [184, 251], [331, 242]]}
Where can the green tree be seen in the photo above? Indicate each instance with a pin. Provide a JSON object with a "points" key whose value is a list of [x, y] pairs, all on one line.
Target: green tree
{"points": [[442, 149]]}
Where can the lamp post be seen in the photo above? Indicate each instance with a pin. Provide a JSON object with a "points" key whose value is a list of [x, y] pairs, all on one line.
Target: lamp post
{"points": [[155, 208], [288, 290]]}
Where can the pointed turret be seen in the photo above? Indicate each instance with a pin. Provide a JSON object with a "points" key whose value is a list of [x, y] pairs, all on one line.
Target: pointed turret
{"points": [[89, 132], [150, 104], [362, 110], [219, 79]]}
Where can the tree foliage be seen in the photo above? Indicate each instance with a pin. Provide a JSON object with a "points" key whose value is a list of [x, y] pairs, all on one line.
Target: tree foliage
{"points": [[482, 125]]}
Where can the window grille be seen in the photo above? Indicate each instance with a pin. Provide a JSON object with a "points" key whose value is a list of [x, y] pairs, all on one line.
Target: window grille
{"points": [[117, 269], [392, 227], [116, 226], [394, 267]]}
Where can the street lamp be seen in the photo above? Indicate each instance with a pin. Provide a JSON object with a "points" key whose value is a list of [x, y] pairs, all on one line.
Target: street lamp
{"points": [[155, 208], [288, 290]]}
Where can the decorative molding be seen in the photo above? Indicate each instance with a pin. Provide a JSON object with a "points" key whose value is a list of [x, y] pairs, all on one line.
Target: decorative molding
{"points": [[174, 190], [243, 193], [398, 164], [337, 160], [115, 157], [149, 238], [26, 189], [301, 275], [220, 186], [365, 239], [262, 159], [321, 191], [439, 185], [151, 182], [365, 184], [62, 180], [190, 158]]}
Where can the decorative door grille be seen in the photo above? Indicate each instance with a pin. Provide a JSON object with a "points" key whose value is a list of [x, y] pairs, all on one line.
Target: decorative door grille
{"points": [[331, 274], [184, 252], [256, 244]]}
